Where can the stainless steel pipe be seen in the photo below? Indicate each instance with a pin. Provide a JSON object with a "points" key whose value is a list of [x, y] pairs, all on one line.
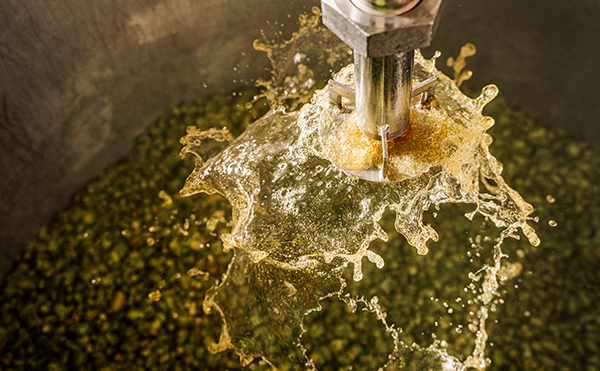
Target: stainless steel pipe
{"points": [[384, 35], [388, 6], [383, 90]]}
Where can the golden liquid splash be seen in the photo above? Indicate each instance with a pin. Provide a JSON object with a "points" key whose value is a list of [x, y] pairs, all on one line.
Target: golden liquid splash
{"points": [[458, 65], [299, 220], [311, 51]]}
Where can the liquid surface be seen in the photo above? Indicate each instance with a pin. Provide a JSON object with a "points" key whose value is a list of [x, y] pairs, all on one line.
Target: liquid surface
{"points": [[300, 220]]}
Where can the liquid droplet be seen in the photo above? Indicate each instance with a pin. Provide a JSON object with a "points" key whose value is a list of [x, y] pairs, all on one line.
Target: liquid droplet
{"points": [[155, 295], [167, 200]]}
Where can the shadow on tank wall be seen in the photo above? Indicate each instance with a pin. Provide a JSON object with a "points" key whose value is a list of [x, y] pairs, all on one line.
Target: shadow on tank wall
{"points": [[79, 82]]}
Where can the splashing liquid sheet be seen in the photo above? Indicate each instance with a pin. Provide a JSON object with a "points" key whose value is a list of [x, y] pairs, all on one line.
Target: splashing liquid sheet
{"points": [[300, 220]]}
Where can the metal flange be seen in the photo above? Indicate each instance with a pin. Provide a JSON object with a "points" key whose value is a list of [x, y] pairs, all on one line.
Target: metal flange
{"points": [[382, 33]]}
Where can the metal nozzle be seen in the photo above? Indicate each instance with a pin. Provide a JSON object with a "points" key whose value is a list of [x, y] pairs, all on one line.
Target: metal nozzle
{"points": [[383, 34], [389, 6], [383, 91]]}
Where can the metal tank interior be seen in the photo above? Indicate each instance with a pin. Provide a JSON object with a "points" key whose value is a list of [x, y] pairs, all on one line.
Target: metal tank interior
{"points": [[80, 81]]}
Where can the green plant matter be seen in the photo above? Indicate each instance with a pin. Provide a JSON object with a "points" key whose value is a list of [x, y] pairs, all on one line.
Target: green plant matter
{"points": [[106, 286], [116, 281]]}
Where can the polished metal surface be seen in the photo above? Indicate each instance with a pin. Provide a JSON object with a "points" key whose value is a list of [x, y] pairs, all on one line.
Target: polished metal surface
{"points": [[384, 130], [425, 88], [395, 7], [337, 91], [381, 34], [383, 91]]}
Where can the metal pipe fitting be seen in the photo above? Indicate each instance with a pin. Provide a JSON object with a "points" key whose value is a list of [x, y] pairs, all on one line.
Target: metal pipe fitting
{"points": [[383, 34], [388, 6], [383, 92]]}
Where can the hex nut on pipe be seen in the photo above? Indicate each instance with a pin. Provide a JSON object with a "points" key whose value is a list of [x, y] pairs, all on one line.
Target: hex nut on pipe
{"points": [[374, 35], [388, 6]]}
